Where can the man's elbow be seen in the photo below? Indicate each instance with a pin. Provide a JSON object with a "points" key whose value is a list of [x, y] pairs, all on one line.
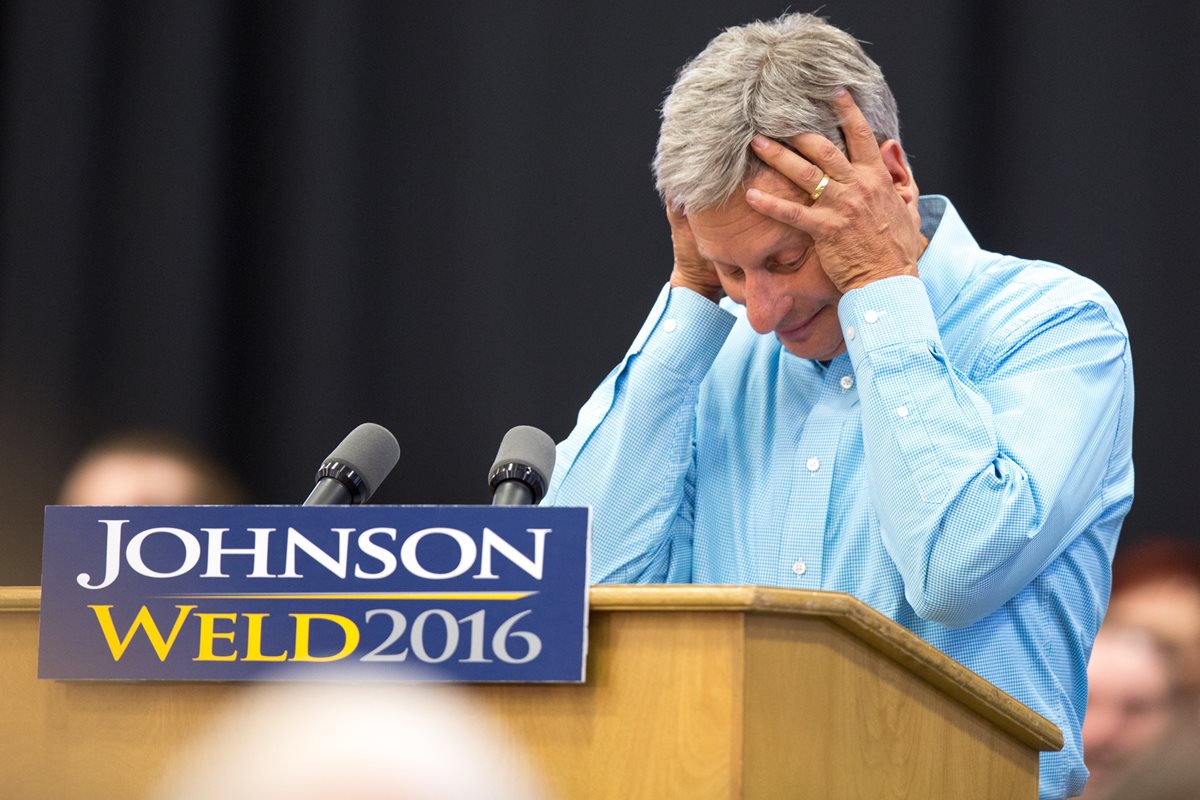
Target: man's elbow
{"points": [[952, 606]]}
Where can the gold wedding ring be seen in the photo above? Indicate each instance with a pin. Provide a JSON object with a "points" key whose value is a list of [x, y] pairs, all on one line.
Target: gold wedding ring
{"points": [[819, 190]]}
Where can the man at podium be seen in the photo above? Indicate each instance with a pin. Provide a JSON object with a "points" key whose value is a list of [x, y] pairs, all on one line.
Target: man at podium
{"points": [[838, 389]]}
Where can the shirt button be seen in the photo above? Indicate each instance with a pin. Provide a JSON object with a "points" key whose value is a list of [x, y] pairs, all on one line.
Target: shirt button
{"points": [[799, 568], [871, 316], [847, 382], [850, 332], [902, 412], [670, 325], [813, 464]]}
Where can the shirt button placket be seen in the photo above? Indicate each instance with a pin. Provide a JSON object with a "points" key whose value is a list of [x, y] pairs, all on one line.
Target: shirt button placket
{"points": [[800, 557]]}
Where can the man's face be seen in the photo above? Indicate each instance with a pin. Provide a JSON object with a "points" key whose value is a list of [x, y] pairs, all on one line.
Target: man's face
{"points": [[773, 270], [1128, 707]]}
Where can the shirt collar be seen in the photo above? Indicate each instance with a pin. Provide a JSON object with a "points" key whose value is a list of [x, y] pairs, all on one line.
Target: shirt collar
{"points": [[952, 254]]}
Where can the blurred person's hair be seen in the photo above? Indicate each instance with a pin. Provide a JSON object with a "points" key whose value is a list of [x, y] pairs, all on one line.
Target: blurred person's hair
{"points": [[772, 78], [352, 741], [1153, 558], [208, 482]]}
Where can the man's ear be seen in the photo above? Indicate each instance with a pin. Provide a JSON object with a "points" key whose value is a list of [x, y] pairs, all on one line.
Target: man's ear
{"points": [[897, 166]]}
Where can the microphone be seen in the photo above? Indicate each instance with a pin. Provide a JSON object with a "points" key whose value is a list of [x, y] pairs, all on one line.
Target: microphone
{"points": [[356, 467], [522, 468]]}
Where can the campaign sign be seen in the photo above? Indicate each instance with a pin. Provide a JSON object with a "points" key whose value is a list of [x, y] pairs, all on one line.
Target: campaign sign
{"points": [[463, 593]]}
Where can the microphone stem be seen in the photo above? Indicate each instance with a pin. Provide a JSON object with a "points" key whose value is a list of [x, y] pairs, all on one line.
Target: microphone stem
{"points": [[329, 492], [512, 493]]}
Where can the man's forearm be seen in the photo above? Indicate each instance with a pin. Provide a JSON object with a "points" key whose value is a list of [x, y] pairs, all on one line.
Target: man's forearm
{"points": [[978, 479], [631, 449]]}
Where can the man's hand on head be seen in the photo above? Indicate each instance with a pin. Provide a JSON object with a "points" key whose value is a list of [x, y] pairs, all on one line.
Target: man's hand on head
{"points": [[861, 222], [691, 270]]}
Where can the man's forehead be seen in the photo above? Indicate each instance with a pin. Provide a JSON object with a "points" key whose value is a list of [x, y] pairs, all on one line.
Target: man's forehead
{"points": [[734, 224], [764, 177]]}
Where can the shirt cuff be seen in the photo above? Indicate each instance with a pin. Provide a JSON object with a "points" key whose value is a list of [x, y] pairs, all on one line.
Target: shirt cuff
{"points": [[885, 313], [684, 332]]}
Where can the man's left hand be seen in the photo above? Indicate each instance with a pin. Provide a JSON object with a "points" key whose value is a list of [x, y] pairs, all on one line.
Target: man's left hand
{"points": [[862, 227]]}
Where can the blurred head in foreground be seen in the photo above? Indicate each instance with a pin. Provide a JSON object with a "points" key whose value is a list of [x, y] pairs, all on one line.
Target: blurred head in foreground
{"points": [[148, 469], [361, 741], [1156, 586], [1132, 686]]}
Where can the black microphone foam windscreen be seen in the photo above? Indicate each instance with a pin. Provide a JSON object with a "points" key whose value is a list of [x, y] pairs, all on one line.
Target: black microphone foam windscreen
{"points": [[370, 449], [529, 446]]}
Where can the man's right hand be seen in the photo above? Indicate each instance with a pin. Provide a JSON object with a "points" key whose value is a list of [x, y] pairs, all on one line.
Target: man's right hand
{"points": [[691, 271]]}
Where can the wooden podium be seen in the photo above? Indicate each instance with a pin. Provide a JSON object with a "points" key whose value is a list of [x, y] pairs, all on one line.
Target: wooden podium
{"points": [[692, 692]]}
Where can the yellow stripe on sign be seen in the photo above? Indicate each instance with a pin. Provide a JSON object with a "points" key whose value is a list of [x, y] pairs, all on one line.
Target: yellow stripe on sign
{"points": [[362, 596]]}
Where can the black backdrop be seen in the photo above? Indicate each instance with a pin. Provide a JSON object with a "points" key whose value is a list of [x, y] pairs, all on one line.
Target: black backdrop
{"points": [[259, 224]]}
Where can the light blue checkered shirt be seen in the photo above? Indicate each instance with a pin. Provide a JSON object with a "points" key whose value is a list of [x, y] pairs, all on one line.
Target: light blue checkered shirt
{"points": [[964, 468]]}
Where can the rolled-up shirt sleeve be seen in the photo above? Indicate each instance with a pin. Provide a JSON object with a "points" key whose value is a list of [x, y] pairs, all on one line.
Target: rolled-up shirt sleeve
{"points": [[980, 480], [631, 452]]}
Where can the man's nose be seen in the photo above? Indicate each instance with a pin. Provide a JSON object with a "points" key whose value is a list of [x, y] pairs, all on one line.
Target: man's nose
{"points": [[1101, 729], [766, 302]]}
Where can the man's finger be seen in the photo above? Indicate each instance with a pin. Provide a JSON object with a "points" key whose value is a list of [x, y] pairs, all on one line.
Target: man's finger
{"points": [[787, 163], [789, 212], [824, 154], [860, 139]]}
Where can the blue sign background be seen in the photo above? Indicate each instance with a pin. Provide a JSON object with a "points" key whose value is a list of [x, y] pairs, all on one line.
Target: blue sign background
{"points": [[462, 628]]}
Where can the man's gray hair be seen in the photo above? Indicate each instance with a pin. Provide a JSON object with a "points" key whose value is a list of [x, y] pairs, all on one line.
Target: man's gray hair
{"points": [[776, 78]]}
